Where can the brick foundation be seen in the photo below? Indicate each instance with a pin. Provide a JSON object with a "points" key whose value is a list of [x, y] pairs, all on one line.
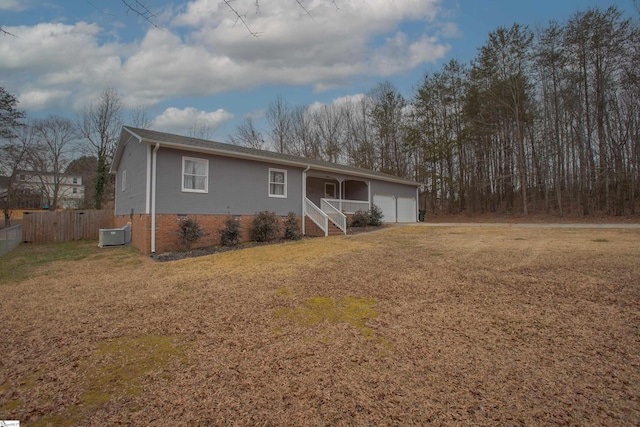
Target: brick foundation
{"points": [[311, 229], [140, 230], [167, 226]]}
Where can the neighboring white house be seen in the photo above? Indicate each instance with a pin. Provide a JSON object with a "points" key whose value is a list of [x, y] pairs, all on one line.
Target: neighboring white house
{"points": [[70, 187]]}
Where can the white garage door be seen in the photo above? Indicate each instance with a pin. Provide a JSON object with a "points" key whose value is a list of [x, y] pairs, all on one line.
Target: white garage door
{"points": [[406, 209], [388, 206]]}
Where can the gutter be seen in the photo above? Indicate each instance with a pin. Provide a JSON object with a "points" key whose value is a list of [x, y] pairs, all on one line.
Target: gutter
{"points": [[154, 165]]}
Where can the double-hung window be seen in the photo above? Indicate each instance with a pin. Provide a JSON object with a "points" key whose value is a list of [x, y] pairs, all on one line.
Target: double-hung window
{"points": [[277, 183], [195, 175]]}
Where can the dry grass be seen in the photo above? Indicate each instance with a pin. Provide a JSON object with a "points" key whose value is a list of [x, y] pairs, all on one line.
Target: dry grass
{"points": [[453, 326]]}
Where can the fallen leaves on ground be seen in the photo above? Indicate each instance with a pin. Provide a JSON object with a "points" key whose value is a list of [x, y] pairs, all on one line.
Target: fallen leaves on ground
{"points": [[406, 326]]}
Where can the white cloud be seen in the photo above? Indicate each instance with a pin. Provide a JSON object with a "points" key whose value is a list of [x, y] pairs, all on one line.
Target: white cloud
{"points": [[14, 5], [339, 102], [182, 121], [256, 114], [43, 99], [349, 99], [204, 50], [449, 30], [59, 58], [399, 54]]}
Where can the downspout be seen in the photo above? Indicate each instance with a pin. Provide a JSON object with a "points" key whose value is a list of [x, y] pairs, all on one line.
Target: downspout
{"points": [[417, 212], [304, 196], [154, 165], [147, 201]]}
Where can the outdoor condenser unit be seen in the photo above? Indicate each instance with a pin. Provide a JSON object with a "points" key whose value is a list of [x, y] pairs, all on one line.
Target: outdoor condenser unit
{"points": [[114, 236]]}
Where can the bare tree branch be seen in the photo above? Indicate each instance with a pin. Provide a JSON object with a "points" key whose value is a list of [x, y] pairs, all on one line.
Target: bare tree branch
{"points": [[142, 10], [241, 18], [5, 32], [305, 10]]}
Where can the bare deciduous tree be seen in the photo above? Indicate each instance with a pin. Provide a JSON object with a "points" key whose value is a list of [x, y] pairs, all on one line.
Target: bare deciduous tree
{"points": [[200, 130], [279, 118], [99, 124], [247, 134], [140, 118], [50, 155]]}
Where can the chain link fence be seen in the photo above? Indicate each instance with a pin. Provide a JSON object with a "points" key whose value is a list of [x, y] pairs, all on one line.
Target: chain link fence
{"points": [[10, 238]]}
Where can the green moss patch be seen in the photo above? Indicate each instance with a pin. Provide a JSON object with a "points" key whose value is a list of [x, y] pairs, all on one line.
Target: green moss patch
{"points": [[115, 370], [23, 262], [284, 292], [353, 311], [121, 364], [11, 405]]}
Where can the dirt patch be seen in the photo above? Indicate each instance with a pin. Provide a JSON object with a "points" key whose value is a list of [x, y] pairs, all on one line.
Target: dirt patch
{"points": [[407, 326]]}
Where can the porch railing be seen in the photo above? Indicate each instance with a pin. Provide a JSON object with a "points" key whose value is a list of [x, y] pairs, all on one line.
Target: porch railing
{"points": [[348, 206], [337, 217], [315, 213]]}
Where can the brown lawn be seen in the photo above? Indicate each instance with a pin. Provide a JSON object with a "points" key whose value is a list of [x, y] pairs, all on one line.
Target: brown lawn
{"points": [[406, 326]]}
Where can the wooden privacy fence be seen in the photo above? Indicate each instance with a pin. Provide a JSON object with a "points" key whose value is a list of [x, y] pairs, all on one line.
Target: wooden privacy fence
{"points": [[64, 226]]}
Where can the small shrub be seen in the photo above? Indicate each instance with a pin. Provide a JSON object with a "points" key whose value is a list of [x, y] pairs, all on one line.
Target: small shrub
{"points": [[364, 218], [230, 234], [266, 227], [360, 219], [189, 232], [292, 227], [375, 216]]}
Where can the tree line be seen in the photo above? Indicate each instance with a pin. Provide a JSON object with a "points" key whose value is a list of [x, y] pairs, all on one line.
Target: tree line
{"points": [[48, 148], [539, 121]]}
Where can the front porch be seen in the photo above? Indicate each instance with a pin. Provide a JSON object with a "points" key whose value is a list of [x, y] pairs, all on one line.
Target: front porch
{"points": [[331, 217], [328, 201]]}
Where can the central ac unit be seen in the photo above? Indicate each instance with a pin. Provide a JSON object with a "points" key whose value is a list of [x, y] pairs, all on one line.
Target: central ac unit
{"points": [[114, 236]]}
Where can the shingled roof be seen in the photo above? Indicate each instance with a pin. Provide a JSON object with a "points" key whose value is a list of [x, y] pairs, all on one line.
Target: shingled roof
{"points": [[152, 137]]}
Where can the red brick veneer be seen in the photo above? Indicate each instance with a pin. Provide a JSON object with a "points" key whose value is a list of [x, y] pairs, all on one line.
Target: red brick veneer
{"points": [[167, 226]]}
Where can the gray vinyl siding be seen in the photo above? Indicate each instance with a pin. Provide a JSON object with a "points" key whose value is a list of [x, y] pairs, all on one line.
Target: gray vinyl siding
{"points": [[356, 190], [315, 188], [134, 162], [392, 189], [236, 186]]}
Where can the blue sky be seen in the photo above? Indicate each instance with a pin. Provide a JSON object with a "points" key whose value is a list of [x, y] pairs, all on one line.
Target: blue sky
{"points": [[202, 68]]}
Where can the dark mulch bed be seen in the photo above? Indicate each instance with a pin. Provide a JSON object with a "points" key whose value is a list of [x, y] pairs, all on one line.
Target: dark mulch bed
{"points": [[192, 253], [197, 252]]}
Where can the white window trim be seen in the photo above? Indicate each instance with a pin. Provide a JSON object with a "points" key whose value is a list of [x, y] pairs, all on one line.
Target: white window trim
{"points": [[206, 179], [332, 184], [123, 184], [281, 196]]}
